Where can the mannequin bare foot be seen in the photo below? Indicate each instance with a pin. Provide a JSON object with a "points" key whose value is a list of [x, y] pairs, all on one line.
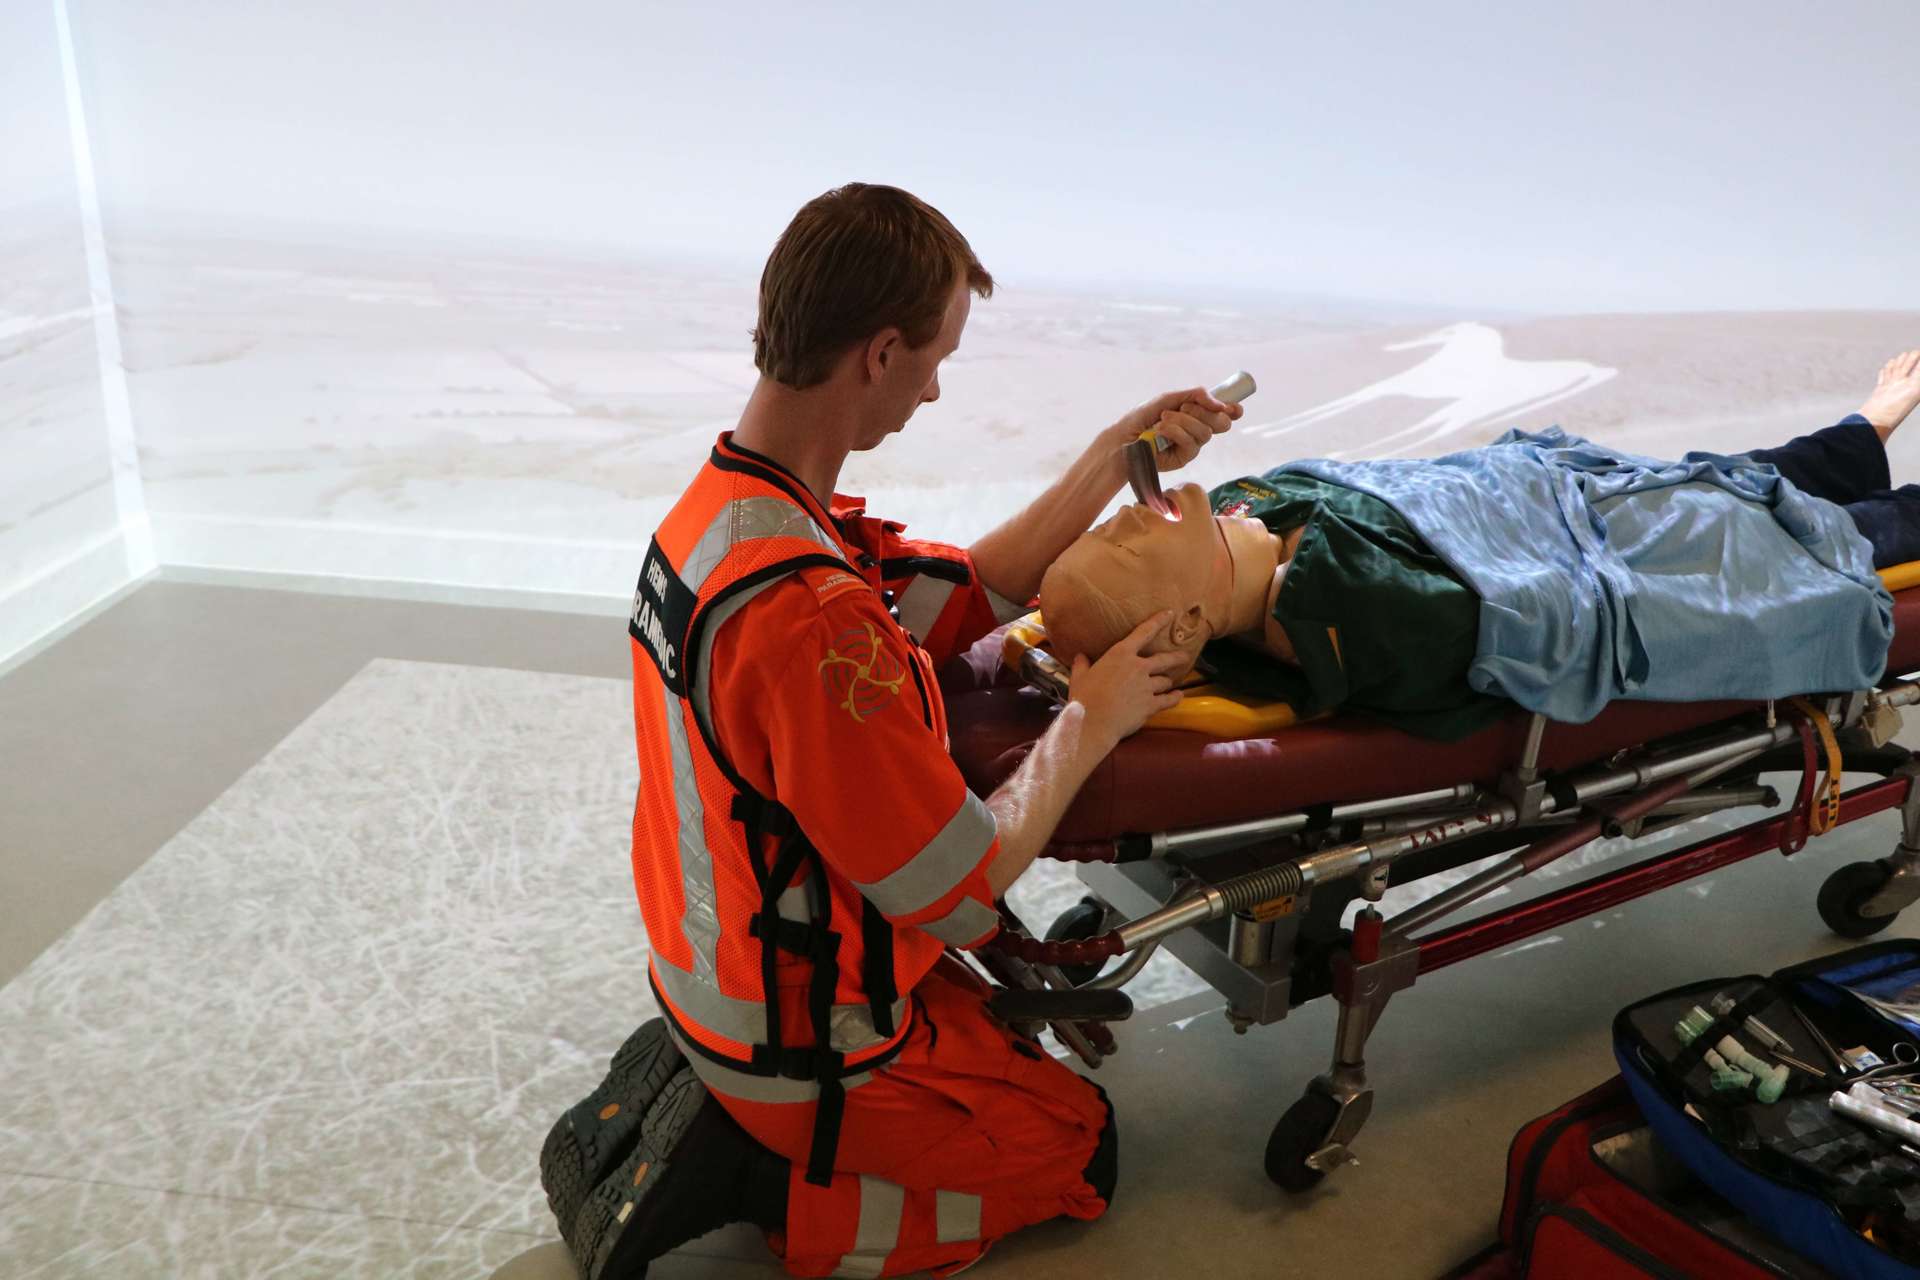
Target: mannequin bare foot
{"points": [[1896, 395]]}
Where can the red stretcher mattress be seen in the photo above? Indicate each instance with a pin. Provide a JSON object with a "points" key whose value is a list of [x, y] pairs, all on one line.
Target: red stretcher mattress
{"points": [[1163, 780]]}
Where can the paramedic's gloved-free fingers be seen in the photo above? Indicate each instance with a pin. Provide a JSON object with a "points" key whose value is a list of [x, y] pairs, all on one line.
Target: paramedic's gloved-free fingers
{"points": [[1188, 418], [1188, 428], [1126, 686]]}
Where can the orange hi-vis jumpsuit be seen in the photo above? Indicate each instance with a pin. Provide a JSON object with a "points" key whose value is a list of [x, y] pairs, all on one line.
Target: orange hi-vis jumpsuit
{"points": [[805, 849]]}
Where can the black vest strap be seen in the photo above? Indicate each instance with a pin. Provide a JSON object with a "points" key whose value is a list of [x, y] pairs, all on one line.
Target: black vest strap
{"points": [[798, 939], [833, 1094], [876, 942], [819, 943], [831, 1111], [792, 850]]}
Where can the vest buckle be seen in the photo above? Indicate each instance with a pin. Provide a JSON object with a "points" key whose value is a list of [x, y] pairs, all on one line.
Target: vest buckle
{"points": [[800, 1064], [814, 941]]}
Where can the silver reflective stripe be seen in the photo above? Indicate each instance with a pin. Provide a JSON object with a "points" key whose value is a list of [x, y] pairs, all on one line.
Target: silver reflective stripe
{"points": [[851, 1025], [881, 1204], [702, 1001], [745, 519], [1005, 610], [764, 517], [714, 543], [739, 521], [793, 905], [956, 1217], [700, 918], [752, 1088], [940, 864], [920, 604], [966, 923], [696, 867], [702, 664]]}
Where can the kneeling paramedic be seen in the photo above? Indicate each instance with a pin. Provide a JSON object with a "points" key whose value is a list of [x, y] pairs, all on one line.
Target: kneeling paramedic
{"points": [[805, 849]]}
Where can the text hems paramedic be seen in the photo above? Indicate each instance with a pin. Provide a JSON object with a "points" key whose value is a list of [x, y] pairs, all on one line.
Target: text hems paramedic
{"points": [[804, 847]]}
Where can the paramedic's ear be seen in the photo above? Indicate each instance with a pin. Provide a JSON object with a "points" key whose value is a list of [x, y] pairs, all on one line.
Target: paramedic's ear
{"points": [[881, 348]]}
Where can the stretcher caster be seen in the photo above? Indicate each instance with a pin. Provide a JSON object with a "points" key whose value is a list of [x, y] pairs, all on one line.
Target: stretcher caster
{"points": [[1310, 1140], [1085, 919], [1301, 1132], [1846, 900]]}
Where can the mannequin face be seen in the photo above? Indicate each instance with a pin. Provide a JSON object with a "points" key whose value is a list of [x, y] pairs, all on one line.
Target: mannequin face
{"points": [[1208, 570]]}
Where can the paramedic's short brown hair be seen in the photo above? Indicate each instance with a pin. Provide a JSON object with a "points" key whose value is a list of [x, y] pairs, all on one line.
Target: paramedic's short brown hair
{"points": [[859, 259]]}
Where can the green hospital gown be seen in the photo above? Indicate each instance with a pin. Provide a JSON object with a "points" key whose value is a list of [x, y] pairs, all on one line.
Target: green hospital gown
{"points": [[1379, 623]]}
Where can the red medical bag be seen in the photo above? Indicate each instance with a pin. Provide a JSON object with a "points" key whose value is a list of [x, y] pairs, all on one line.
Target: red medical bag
{"points": [[1590, 1196]]}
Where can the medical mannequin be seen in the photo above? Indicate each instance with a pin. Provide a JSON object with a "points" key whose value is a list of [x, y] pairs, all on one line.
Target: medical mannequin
{"points": [[1375, 619], [1218, 575]]}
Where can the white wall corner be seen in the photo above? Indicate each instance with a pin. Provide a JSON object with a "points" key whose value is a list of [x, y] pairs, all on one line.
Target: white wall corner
{"points": [[123, 448], [38, 610]]}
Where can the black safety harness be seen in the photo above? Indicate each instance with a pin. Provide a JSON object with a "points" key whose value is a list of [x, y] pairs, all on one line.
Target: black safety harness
{"points": [[820, 944]]}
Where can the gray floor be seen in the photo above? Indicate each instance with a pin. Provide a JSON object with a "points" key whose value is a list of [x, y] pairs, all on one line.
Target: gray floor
{"points": [[114, 738], [120, 741]]}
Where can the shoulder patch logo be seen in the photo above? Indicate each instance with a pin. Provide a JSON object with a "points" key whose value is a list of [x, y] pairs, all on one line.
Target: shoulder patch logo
{"points": [[859, 674]]}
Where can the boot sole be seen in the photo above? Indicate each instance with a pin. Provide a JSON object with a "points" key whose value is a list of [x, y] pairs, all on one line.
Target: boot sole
{"points": [[634, 1214], [585, 1145]]}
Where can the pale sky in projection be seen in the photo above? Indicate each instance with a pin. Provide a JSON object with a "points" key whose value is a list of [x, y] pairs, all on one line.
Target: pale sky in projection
{"points": [[1622, 155], [36, 150]]}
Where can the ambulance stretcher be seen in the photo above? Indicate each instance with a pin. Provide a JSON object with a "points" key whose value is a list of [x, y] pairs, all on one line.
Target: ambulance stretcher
{"points": [[1239, 839]]}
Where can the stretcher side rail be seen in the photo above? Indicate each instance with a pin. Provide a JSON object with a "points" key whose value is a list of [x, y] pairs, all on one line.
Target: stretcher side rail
{"points": [[1270, 887]]}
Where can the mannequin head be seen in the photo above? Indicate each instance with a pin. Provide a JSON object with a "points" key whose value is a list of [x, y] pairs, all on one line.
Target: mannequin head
{"points": [[1212, 572]]}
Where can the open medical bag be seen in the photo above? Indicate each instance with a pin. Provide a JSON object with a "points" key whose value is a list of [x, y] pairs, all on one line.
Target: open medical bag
{"points": [[1838, 1193], [1591, 1195]]}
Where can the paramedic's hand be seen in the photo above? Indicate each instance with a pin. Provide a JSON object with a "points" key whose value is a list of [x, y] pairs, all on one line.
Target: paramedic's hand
{"points": [[1124, 687], [1187, 419]]}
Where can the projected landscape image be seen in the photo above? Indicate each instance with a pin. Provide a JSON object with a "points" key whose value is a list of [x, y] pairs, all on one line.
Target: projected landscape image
{"points": [[509, 418]]}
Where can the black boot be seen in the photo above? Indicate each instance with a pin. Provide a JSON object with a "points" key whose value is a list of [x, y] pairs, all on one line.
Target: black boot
{"points": [[695, 1170], [591, 1139]]}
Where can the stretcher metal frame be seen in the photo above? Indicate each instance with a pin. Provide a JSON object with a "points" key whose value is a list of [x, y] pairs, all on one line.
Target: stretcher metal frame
{"points": [[1254, 907]]}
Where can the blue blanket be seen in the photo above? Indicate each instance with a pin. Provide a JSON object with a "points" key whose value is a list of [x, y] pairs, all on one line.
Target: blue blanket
{"points": [[1710, 577]]}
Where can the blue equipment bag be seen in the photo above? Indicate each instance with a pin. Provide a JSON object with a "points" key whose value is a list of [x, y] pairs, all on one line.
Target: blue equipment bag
{"points": [[1811, 1178]]}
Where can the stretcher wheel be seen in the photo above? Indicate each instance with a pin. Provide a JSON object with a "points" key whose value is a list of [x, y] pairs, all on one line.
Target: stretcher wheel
{"points": [[1303, 1130], [1846, 891], [1085, 919]]}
